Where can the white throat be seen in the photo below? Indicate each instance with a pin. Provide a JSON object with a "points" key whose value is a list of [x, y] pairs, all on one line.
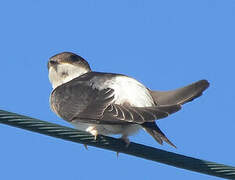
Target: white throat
{"points": [[64, 73]]}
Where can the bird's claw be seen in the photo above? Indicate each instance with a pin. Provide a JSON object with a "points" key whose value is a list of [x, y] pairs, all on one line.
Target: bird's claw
{"points": [[126, 141], [93, 131], [86, 147]]}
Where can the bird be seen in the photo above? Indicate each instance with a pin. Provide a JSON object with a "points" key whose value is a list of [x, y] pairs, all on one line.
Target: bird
{"points": [[109, 103]]}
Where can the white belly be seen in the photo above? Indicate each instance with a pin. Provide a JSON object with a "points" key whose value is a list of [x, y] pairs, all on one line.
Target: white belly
{"points": [[108, 129]]}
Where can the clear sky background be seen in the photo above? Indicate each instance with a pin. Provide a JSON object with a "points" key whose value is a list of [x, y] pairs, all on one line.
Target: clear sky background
{"points": [[164, 44]]}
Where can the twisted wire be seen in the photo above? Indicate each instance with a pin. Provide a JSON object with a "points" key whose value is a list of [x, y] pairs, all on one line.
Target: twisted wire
{"points": [[109, 143]]}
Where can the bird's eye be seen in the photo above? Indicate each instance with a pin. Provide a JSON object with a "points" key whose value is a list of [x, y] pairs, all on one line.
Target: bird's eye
{"points": [[52, 62]]}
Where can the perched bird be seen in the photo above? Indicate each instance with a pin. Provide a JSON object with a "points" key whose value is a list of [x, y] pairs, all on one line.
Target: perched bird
{"points": [[109, 103]]}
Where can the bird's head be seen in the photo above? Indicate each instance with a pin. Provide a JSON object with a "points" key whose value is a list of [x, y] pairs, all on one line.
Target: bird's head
{"points": [[65, 66]]}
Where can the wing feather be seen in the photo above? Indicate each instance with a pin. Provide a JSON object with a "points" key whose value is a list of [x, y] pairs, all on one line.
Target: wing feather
{"points": [[79, 101], [138, 115]]}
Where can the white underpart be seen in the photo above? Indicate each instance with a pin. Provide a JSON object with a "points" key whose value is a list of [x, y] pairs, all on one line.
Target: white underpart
{"points": [[94, 129], [57, 78]]}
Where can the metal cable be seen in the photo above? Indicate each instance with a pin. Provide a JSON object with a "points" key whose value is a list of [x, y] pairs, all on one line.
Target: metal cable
{"points": [[138, 150]]}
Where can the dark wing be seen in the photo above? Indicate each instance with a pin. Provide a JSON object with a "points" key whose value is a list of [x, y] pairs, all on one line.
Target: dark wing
{"points": [[97, 105], [103, 110], [68, 99], [78, 101], [138, 115]]}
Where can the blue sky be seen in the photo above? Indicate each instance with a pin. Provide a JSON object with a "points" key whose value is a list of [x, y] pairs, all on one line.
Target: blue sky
{"points": [[164, 44]]}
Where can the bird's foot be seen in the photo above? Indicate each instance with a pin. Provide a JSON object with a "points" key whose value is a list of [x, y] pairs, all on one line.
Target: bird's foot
{"points": [[126, 140], [117, 153], [93, 131], [85, 145]]}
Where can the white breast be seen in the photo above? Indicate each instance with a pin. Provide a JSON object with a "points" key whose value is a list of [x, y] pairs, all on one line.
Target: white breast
{"points": [[57, 77]]}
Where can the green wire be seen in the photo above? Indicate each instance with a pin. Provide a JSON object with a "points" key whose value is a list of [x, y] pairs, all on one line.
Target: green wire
{"points": [[109, 143]]}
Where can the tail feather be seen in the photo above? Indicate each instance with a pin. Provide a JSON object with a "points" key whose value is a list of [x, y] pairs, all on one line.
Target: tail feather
{"points": [[182, 95], [156, 133], [175, 97]]}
